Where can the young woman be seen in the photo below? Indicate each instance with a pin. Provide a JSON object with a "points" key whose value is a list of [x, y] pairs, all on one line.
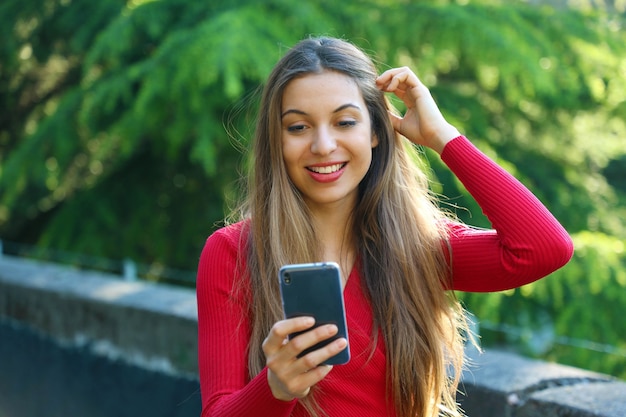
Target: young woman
{"points": [[334, 179]]}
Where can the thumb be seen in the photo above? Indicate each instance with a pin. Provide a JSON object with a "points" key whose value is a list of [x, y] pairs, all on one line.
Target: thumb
{"points": [[396, 121], [404, 129]]}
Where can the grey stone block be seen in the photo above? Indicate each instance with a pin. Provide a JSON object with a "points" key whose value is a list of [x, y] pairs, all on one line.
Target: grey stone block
{"points": [[152, 325], [606, 399], [497, 383]]}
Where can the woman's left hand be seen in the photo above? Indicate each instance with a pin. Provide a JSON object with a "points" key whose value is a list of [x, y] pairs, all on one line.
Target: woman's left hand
{"points": [[423, 123]]}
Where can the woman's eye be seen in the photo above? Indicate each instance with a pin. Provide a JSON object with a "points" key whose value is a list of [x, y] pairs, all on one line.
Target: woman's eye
{"points": [[347, 123], [296, 128]]}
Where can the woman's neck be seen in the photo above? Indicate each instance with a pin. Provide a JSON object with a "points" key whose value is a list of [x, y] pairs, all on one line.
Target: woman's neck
{"points": [[334, 229]]}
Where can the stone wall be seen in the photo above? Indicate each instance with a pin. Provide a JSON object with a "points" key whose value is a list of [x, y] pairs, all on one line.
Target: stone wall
{"points": [[116, 326], [500, 384], [148, 324]]}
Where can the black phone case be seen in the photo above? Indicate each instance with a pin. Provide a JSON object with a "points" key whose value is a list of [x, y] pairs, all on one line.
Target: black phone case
{"points": [[315, 290]]}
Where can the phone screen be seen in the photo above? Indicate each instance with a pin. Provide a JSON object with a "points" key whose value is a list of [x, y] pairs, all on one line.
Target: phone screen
{"points": [[315, 290]]}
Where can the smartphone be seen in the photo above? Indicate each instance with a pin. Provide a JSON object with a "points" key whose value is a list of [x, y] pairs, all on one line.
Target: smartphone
{"points": [[314, 290]]}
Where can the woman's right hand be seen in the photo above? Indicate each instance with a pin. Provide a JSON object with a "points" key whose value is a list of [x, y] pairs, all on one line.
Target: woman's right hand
{"points": [[291, 377], [423, 123]]}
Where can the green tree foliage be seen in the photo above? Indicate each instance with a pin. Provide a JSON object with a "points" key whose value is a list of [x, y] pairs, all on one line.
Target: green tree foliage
{"points": [[122, 120]]}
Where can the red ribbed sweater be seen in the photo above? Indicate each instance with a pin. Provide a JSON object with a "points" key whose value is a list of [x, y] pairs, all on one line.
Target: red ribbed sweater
{"points": [[525, 244]]}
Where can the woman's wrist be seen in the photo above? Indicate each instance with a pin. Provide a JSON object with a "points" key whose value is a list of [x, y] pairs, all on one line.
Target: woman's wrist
{"points": [[443, 137]]}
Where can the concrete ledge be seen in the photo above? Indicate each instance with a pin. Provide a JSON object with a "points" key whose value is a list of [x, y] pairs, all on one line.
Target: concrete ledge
{"points": [[581, 400], [155, 327], [40, 377], [507, 385], [152, 325]]}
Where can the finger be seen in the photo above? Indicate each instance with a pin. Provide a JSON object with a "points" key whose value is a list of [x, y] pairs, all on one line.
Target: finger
{"points": [[313, 359], [398, 82], [305, 340], [311, 370], [281, 330], [385, 77], [397, 79], [312, 377], [392, 83], [299, 386]]}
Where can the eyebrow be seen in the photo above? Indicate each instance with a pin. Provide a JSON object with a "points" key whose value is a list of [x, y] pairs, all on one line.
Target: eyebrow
{"points": [[337, 110]]}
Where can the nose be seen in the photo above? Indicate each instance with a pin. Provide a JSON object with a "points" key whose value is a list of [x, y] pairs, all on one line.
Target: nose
{"points": [[323, 142]]}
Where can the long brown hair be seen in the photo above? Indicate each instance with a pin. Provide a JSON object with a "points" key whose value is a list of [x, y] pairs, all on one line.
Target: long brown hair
{"points": [[397, 227]]}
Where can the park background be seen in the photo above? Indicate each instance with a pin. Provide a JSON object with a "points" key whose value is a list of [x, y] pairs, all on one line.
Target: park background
{"points": [[124, 126]]}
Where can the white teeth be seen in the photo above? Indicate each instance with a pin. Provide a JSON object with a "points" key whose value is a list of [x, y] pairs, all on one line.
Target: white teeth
{"points": [[326, 170]]}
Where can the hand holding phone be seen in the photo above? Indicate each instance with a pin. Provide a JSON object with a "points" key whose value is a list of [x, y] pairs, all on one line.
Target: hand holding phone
{"points": [[314, 290]]}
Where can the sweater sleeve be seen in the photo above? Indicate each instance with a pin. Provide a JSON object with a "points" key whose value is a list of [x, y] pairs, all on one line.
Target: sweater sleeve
{"points": [[526, 242], [223, 334]]}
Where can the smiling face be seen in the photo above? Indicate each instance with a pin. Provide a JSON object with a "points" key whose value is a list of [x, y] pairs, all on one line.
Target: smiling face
{"points": [[326, 137]]}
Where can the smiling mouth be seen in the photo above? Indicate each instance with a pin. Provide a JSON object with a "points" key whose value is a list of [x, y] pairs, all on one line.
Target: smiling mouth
{"points": [[328, 169]]}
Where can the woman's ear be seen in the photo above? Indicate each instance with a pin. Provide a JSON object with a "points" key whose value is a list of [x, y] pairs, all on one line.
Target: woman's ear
{"points": [[374, 140]]}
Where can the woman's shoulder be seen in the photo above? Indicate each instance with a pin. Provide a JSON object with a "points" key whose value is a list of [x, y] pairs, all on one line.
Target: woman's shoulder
{"points": [[223, 250], [232, 232], [221, 263], [232, 237]]}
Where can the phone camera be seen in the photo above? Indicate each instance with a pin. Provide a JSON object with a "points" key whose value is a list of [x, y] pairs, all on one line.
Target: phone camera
{"points": [[287, 279]]}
